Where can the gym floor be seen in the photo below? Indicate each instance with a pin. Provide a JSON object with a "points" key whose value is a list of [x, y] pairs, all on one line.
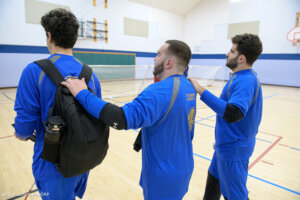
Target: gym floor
{"points": [[274, 168]]}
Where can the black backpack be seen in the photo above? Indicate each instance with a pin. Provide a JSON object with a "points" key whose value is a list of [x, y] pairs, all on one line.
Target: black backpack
{"points": [[83, 142]]}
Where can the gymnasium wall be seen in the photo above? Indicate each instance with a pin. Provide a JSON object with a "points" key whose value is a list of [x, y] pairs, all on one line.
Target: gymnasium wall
{"points": [[280, 62], [205, 29], [162, 25], [21, 42]]}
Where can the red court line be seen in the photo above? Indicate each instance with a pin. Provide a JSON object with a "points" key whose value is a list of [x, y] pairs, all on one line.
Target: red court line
{"points": [[267, 162], [283, 145], [264, 153], [281, 138], [6, 136], [269, 134]]}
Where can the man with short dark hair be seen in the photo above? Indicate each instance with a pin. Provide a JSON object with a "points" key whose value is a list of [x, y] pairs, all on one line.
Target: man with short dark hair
{"points": [[35, 96], [239, 111], [166, 112]]}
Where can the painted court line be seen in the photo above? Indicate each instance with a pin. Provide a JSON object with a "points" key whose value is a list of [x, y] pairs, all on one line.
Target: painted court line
{"points": [[295, 148], [264, 153], [267, 162], [270, 96], [7, 96], [260, 179], [283, 145], [204, 118], [264, 140], [202, 157], [6, 136], [268, 133], [215, 115], [284, 188], [22, 195], [214, 127], [205, 125]]}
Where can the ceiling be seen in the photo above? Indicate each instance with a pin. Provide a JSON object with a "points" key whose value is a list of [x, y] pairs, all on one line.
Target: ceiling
{"points": [[180, 7]]}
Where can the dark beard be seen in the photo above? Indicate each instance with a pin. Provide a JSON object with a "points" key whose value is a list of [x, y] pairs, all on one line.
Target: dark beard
{"points": [[158, 69], [232, 64]]}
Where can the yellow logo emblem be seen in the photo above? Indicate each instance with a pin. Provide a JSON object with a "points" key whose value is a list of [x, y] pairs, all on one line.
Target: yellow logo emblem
{"points": [[191, 118]]}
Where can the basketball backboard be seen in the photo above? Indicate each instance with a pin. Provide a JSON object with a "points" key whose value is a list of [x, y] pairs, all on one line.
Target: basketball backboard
{"points": [[294, 34]]}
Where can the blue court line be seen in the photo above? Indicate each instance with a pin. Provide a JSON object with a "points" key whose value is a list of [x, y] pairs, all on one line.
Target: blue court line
{"points": [[205, 118], [284, 188], [215, 115], [260, 179], [22, 195], [295, 148], [205, 125], [264, 140], [202, 157], [7, 96], [270, 96], [256, 138]]}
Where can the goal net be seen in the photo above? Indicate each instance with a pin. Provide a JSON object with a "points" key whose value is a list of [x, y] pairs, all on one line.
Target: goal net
{"points": [[122, 83]]}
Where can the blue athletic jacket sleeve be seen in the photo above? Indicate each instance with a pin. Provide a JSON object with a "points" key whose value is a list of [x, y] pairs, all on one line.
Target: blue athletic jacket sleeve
{"points": [[145, 110], [216, 104], [90, 102], [27, 103], [239, 92]]}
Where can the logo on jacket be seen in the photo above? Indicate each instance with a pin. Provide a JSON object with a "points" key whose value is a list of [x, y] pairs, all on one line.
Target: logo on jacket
{"points": [[191, 118], [190, 97]]}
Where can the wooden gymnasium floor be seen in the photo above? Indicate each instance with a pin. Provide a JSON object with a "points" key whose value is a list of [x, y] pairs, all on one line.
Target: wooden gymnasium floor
{"points": [[274, 170]]}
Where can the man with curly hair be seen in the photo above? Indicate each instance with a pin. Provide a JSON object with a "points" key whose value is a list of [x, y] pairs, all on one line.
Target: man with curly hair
{"points": [[35, 96], [239, 112]]}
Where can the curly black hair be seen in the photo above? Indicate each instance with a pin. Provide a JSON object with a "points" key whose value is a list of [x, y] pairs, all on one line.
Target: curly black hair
{"points": [[62, 25], [248, 45], [181, 50]]}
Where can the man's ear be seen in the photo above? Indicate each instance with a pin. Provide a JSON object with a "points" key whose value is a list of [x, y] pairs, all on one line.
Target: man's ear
{"points": [[49, 36], [242, 59], [169, 63]]}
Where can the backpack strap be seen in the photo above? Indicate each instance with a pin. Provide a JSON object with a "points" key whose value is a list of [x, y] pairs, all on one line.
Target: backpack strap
{"points": [[52, 72], [49, 68], [86, 73], [87, 81], [52, 59]]}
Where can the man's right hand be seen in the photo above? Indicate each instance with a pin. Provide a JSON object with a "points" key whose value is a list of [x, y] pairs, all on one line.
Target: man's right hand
{"points": [[75, 86]]}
